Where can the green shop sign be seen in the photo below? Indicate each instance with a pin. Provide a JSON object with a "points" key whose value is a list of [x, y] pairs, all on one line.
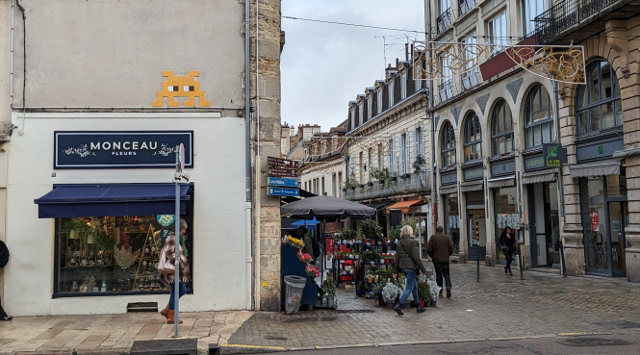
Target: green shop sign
{"points": [[554, 155]]}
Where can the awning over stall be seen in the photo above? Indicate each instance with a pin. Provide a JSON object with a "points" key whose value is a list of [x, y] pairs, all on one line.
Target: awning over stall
{"points": [[607, 167], [68, 201], [448, 189], [403, 205], [471, 186]]}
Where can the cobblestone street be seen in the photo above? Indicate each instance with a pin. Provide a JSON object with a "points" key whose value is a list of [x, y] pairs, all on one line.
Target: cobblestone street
{"points": [[497, 307]]}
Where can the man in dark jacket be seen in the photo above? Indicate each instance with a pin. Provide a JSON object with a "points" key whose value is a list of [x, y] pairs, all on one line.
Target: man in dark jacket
{"points": [[439, 249]]}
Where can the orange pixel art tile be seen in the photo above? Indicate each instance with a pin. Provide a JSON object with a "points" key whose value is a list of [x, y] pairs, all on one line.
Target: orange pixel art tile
{"points": [[181, 86]]}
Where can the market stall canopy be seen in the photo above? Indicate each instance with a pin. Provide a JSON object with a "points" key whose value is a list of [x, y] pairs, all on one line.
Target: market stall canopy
{"points": [[68, 201], [326, 207], [309, 223], [403, 205]]}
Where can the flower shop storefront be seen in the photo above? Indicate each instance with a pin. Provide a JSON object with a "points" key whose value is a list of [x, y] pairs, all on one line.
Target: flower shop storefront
{"points": [[108, 240]]}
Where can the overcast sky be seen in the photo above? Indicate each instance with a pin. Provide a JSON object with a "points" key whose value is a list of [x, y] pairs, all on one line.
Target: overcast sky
{"points": [[324, 65]]}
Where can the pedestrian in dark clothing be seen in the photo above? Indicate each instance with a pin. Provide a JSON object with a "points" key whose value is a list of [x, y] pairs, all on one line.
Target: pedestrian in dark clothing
{"points": [[408, 261], [439, 249], [508, 246], [4, 259]]}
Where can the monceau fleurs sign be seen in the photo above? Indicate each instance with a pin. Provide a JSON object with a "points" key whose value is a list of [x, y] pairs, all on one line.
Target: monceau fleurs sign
{"points": [[120, 149]]}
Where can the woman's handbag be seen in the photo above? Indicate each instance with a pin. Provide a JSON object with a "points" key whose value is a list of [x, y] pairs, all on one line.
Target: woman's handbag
{"points": [[164, 265]]}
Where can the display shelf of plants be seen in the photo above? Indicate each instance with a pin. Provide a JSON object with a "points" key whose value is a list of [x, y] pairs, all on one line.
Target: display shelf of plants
{"points": [[347, 253], [378, 255]]}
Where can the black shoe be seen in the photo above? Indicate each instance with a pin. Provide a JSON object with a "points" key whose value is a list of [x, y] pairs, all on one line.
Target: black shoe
{"points": [[448, 292], [398, 309], [441, 292], [420, 309], [505, 269], [511, 274], [6, 318]]}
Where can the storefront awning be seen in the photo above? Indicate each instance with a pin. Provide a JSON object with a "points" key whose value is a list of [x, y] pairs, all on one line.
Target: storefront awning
{"points": [[609, 167], [403, 205], [448, 189], [536, 177], [626, 153], [471, 186], [380, 205], [68, 201], [507, 181]]}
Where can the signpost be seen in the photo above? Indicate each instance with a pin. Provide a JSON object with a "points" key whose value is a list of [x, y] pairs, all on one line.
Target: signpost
{"points": [[477, 253], [283, 177]]}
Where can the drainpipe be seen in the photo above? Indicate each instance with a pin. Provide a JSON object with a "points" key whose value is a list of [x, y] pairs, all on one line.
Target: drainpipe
{"points": [[248, 112], [559, 180], [434, 190]]}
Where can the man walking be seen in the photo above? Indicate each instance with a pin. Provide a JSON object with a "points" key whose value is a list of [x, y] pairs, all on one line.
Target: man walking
{"points": [[439, 249]]}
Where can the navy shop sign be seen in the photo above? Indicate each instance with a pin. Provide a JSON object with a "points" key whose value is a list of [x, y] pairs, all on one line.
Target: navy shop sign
{"points": [[120, 149]]}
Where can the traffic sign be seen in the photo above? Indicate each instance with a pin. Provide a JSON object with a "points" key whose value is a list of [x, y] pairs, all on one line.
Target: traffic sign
{"points": [[282, 191], [283, 172], [181, 178], [282, 163], [274, 181]]}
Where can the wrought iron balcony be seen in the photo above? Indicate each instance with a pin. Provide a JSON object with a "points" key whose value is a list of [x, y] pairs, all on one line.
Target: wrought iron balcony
{"points": [[565, 15], [466, 6], [444, 20], [416, 182]]}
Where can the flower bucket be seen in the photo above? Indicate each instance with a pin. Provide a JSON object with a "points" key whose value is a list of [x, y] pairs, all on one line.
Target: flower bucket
{"points": [[390, 304], [380, 299], [422, 303], [433, 303]]}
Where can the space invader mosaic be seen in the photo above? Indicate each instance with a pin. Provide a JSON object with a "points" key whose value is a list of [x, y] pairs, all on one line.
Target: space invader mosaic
{"points": [[181, 86]]}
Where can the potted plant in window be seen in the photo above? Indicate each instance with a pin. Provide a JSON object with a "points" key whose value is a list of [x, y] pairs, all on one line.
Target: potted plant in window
{"points": [[418, 163]]}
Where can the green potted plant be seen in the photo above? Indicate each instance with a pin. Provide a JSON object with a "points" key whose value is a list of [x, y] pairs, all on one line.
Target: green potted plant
{"points": [[418, 163], [424, 294], [329, 291]]}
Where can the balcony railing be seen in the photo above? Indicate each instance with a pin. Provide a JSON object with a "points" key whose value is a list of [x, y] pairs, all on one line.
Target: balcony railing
{"points": [[444, 20], [562, 16], [466, 5], [416, 182]]}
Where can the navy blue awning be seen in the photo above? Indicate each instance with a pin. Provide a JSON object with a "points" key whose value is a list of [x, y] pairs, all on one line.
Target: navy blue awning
{"points": [[68, 201]]}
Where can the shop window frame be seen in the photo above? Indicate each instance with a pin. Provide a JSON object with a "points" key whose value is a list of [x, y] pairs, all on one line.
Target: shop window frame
{"points": [[472, 146], [533, 108], [448, 146], [587, 110], [499, 116]]}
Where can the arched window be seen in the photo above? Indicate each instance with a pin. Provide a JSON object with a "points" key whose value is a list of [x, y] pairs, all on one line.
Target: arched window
{"points": [[501, 129], [472, 138], [538, 122], [598, 104], [448, 144]]}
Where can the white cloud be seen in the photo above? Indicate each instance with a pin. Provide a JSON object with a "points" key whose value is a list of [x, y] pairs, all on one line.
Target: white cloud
{"points": [[324, 66]]}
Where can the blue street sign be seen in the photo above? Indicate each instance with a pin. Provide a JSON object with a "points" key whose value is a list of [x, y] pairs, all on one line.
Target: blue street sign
{"points": [[282, 191], [273, 181]]}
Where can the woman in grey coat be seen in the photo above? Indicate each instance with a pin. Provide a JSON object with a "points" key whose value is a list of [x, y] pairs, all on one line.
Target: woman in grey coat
{"points": [[408, 261]]}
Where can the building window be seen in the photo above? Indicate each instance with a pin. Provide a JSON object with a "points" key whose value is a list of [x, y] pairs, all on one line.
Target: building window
{"points": [[598, 104], [339, 183], [392, 156], [113, 254], [498, 32], [403, 85], [444, 19], [391, 89], [370, 162], [472, 138], [380, 157], [446, 82], [501, 130], [469, 53], [538, 124], [532, 8], [380, 91], [323, 190], [448, 145], [361, 165], [418, 145], [333, 185], [369, 107], [360, 114]]}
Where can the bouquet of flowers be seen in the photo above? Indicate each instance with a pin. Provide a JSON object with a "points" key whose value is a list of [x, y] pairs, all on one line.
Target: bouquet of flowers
{"points": [[312, 271], [294, 242], [305, 257]]}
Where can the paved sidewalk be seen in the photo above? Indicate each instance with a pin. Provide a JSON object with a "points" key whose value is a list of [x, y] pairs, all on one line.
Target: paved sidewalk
{"points": [[498, 307]]}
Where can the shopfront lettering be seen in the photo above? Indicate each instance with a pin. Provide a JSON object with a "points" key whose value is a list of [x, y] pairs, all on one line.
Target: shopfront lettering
{"points": [[121, 149], [126, 145]]}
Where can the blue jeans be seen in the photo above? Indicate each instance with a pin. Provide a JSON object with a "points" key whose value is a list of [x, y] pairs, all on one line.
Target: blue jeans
{"points": [[412, 286], [183, 290]]}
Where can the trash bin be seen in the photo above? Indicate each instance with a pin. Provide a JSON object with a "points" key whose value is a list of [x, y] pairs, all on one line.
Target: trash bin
{"points": [[293, 293]]}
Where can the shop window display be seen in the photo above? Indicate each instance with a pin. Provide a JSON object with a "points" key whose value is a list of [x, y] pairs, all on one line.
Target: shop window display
{"points": [[111, 254]]}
